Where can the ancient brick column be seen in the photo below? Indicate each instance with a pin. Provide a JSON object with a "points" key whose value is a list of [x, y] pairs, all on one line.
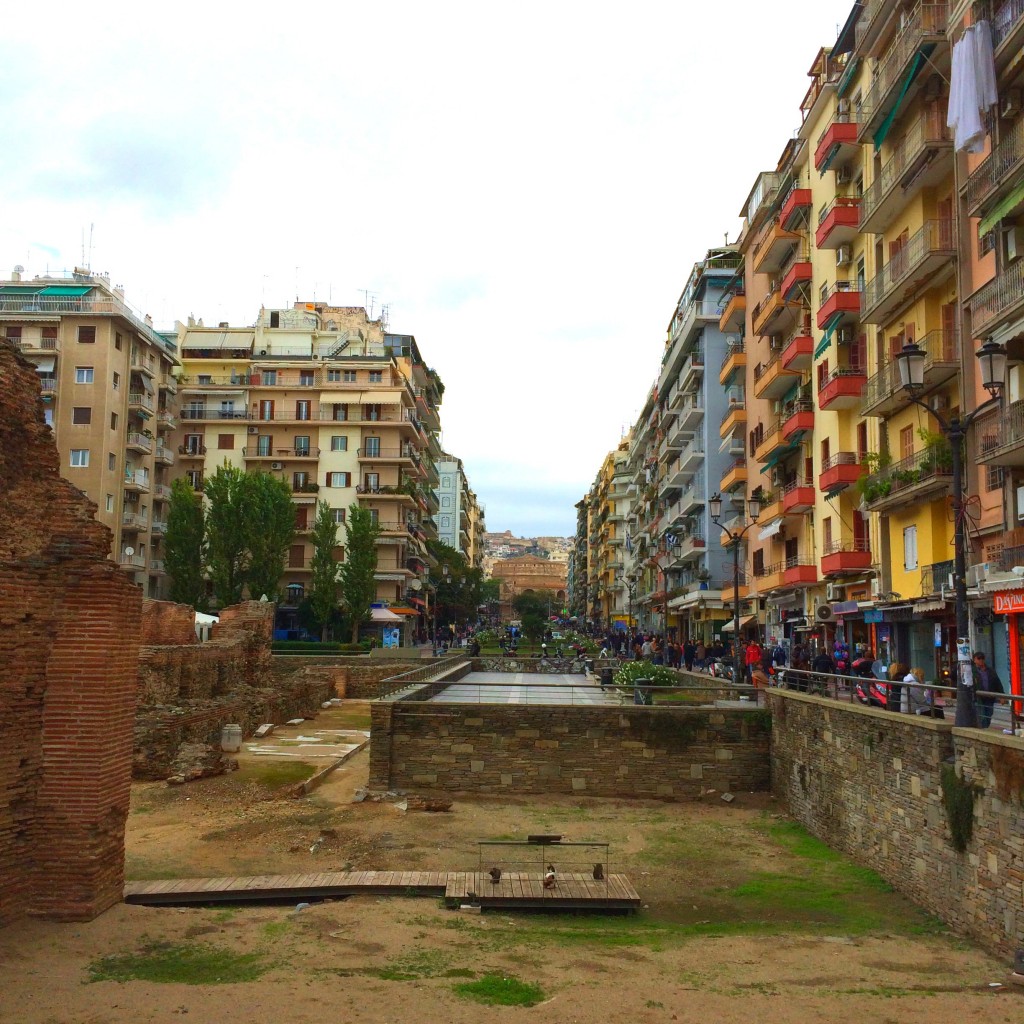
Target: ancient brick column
{"points": [[69, 639]]}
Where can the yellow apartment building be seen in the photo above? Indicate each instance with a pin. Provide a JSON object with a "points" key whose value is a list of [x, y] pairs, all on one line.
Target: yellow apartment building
{"points": [[105, 376]]}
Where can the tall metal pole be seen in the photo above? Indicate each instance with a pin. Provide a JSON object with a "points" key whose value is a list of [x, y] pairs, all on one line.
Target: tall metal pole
{"points": [[737, 677], [966, 711]]}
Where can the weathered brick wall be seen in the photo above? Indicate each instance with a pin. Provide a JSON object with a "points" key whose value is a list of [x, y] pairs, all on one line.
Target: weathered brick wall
{"points": [[164, 622], [69, 634], [600, 751], [869, 783]]}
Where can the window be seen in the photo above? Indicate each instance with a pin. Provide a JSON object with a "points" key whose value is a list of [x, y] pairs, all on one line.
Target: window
{"points": [[334, 376], [87, 335], [339, 479], [910, 547], [371, 447], [376, 376], [111, 461], [339, 516], [81, 414], [906, 442], [80, 457], [110, 503], [117, 340], [302, 444], [349, 376], [226, 441], [339, 443], [993, 478], [84, 375], [113, 421], [296, 556], [115, 380]]}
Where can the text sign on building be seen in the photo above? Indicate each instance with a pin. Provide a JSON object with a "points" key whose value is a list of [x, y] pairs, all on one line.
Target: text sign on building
{"points": [[1008, 602]]}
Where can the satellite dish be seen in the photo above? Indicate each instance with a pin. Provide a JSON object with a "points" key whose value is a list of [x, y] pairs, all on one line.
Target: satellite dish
{"points": [[415, 585]]}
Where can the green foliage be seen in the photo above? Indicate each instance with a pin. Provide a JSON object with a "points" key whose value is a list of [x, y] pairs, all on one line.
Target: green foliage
{"points": [[958, 799], [185, 545], [192, 964], [500, 990], [358, 587], [271, 518], [323, 583]]}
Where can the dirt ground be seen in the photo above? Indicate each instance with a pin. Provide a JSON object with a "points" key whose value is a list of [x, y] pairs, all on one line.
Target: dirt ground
{"points": [[746, 918]]}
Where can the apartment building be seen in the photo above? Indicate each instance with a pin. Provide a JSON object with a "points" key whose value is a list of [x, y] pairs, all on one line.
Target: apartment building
{"points": [[344, 412], [105, 376]]}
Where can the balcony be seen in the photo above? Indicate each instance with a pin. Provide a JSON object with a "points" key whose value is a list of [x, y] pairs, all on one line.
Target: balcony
{"points": [[795, 208], [691, 412], [735, 416], [1000, 300], [733, 316], [290, 454], [837, 143], [935, 577], [903, 70], [800, 571], [838, 223], [838, 472], [735, 361], [1001, 440], [796, 276], [843, 388], [797, 419], [773, 313], [196, 413], [884, 394], [798, 497], [841, 304], [844, 558], [734, 476], [770, 577], [164, 455], [139, 401], [773, 248], [137, 442], [923, 158], [772, 379], [798, 350], [924, 476], [929, 252]]}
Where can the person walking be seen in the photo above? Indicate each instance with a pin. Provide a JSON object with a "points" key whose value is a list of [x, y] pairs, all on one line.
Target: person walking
{"points": [[985, 678]]}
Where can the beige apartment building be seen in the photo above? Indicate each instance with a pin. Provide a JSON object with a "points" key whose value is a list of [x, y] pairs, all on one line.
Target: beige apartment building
{"points": [[325, 399], [105, 376]]}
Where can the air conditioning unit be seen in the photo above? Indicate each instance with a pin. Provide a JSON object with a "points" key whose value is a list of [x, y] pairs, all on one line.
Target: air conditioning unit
{"points": [[823, 613], [254, 430], [843, 256], [835, 591], [845, 336], [277, 465], [844, 176], [1010, 104]]}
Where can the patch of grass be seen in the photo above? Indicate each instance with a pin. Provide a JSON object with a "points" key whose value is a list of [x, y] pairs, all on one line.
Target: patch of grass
{"points": [[167, 963], [498, 990]]}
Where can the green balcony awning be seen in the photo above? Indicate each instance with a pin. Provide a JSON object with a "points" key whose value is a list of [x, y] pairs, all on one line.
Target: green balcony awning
{"points": [[1001, 209], [61, 289], [915, 67]]}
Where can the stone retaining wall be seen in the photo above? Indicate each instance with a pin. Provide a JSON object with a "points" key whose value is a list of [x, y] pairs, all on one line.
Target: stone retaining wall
{"points": [[868, 782], [600, 751]]}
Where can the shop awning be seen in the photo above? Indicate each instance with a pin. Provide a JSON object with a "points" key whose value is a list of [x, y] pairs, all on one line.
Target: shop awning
{"points": [[915, 67], [54, 289], [1000, 210], [384, 615], [745, 621], [771, 529]]}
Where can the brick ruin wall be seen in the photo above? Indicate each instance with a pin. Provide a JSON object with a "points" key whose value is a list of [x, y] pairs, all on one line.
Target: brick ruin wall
{"points": [[868, 783], [189, 691], [69, 637], [600, 751]]}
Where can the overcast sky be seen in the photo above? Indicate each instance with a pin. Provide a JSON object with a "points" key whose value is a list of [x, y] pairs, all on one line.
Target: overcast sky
{"points": [[524, 186]]}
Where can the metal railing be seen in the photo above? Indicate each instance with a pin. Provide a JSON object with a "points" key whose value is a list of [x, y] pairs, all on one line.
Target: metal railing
{"points": [[994, 299], [933, 238]]}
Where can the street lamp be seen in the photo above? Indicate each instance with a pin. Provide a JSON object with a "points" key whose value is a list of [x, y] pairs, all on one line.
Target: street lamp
{"points": [[735, 536], [911, 362]]}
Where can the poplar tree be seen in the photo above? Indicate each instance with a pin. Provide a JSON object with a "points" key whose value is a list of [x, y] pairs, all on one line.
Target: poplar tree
{"points": [[358, 587]]}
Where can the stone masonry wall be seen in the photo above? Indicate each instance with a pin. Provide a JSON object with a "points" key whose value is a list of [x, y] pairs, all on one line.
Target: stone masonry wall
{"points": [[600, 751], [868, 782], [69, 635]]}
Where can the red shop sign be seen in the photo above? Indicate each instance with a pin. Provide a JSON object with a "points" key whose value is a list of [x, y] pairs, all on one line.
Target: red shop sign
{"points": [[1008, 602]]}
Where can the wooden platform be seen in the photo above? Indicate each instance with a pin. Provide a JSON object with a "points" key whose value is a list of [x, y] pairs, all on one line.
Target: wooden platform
{"points": [[516, 889]]}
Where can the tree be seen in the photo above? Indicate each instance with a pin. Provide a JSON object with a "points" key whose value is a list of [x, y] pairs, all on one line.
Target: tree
{"points": [[185, 545], [228, 533], [271, 522], [358, 587], [323, 584]]}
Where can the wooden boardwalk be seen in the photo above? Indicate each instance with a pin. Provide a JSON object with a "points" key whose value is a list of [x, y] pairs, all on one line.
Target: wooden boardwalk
{"points": [[572, 891]]}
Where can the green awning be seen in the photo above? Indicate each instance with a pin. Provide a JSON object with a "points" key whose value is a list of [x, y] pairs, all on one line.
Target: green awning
{"points": [[1015, 198], [826, 338], [59, 289], [915, 67]]}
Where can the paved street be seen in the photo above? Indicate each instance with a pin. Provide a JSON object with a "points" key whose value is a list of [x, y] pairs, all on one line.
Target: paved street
{"points": [[525, 688]]}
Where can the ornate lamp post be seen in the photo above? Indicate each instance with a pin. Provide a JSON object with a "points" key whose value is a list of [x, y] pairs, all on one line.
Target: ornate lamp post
{"points": [[735, 537], [911, 362]]}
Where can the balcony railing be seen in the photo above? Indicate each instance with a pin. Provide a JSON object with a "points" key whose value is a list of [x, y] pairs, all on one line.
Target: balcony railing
{"points": [[932, 243], [997, 298]]}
